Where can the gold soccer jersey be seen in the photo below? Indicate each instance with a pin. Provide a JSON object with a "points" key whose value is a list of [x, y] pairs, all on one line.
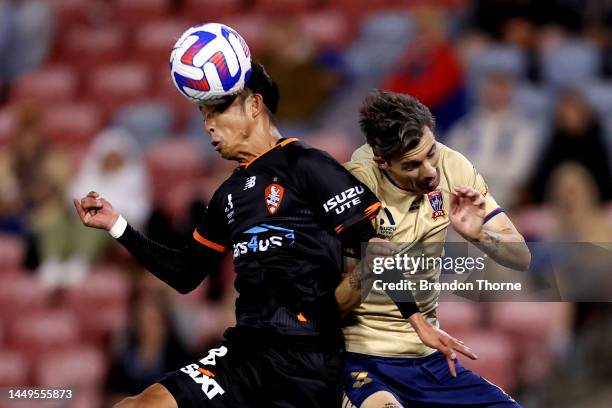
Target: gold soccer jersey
{"points": [[377, 327]]}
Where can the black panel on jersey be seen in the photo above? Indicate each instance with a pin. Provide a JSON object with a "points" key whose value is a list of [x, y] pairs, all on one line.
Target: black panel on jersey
{"points": [[281, 216]]}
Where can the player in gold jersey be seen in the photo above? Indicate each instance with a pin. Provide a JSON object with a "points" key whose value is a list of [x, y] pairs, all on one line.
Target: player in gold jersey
{"points": [[424, 187]]}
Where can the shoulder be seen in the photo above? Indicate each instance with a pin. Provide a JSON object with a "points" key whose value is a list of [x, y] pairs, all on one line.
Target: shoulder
{"points": [[363, 167], [452, 159]]}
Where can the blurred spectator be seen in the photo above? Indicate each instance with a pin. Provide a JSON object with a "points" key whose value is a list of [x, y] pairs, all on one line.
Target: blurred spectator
{"points": [[26, 36], [291, 58], [430, 70], [150, 347], [500, 142], [115, 168], [577, 136], [33, 178], [574, 199]]}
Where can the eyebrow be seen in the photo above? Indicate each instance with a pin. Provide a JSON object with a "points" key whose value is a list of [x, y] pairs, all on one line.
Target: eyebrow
{"points": [[417, 162]]}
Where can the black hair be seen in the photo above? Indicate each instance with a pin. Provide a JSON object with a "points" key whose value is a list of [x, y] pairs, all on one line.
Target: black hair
{"points": [[393, 123], [261, 82]]}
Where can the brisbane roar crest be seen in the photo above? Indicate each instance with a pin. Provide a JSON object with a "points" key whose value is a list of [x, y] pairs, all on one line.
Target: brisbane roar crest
{"points": [[274, 196], [436, 200]]}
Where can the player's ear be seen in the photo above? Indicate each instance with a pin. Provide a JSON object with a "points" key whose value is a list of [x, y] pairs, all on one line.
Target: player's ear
{"points": [[382, 163], [256, 105]]}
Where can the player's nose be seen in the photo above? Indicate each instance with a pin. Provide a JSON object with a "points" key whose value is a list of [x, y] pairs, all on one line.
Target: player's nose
{"points": [[429, 171]]}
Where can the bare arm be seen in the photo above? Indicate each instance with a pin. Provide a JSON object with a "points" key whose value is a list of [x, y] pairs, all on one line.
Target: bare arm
{"points": [[498, 238]]}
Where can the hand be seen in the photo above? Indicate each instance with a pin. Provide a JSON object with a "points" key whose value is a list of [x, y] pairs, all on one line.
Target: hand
{"points": [[96, 212], [377, 248], [467, 212], [438, 339]]}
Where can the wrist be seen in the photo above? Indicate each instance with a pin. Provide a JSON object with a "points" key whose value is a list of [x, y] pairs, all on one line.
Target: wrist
{"points": [[118, 227], [418, 322]]}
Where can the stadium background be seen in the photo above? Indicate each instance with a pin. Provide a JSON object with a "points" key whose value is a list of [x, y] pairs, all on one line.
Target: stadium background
{"points": [[523, 88]]}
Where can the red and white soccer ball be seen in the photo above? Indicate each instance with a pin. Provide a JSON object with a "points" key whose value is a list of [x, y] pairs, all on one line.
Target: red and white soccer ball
{"points": [[210, 63]]}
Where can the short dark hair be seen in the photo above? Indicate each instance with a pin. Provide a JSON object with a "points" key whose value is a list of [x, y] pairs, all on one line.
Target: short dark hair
{"points": [[261, 82], [393, 123]]}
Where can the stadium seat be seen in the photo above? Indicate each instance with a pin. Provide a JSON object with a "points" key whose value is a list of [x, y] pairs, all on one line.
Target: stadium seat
{"points": [[518, 321], [18, 294], [533, 102], [496, 58], [153, 41], [459, 318], [496, 358], [117, 85], [599, 94], [133, 12], [47, 85], [330, 29], [148, 122], [8, 124], [337, 144], [172, 160], [210, 10], [252, 28], [79, 367], [14, 368], [44, 330], [12, 252], [86, 48], [101, 287], [70, 12], [283, 7], [72, 123], [570, 64]]}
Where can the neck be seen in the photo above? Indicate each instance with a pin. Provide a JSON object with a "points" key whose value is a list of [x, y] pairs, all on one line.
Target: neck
{"points": [[261, 140]]}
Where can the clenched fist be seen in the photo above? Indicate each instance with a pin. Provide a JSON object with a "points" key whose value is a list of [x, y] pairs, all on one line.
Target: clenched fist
{"points": [[96, 212]]}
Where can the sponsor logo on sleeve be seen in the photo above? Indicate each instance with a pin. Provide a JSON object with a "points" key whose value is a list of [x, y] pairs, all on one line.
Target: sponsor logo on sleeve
{"points": [[204, 376], [345, 200]]}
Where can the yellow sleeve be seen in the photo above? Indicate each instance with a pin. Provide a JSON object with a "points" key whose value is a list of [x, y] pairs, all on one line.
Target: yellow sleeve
{"points": [[464, 173]]}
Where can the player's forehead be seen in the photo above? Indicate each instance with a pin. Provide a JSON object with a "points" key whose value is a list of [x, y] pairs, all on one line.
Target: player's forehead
{"points": [[218, 107], [421, 150]]}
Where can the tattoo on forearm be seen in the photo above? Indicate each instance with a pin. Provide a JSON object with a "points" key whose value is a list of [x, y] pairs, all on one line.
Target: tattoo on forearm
{"points": [[392, 405], [355, 277]]}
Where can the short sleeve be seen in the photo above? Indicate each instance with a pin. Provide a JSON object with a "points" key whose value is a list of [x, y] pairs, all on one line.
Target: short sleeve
{"points": [[466, 174], [212, 231], [334, 191]]}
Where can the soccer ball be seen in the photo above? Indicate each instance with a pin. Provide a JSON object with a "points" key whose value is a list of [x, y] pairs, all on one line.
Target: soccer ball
{"points": [[210, 63]]}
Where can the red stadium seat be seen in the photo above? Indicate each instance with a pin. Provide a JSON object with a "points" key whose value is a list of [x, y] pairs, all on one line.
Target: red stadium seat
{"points": [[134, 12], [14, 368], [45, 330], [72, 123], [330, 29], [12, 252], [154, 40], [458, 318], [70, 12], [80, 367], [8, 124], [252, 27], [18, 294], [519, 320], [47, 85], [496, 358], [172, 160], [210, 10], [284, 7], [87, 48], [106, 291], [116, 85], [337, 144]]}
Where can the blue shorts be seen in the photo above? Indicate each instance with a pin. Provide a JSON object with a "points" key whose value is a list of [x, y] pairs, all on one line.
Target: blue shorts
{"points": [[419, 382]]}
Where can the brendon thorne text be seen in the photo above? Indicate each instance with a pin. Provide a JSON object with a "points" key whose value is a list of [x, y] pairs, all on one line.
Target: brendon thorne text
{"points": [[422, 284]]}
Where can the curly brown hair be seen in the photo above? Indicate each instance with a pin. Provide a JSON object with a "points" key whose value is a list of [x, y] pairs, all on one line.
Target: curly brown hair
{"points": [[393, 123]]}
